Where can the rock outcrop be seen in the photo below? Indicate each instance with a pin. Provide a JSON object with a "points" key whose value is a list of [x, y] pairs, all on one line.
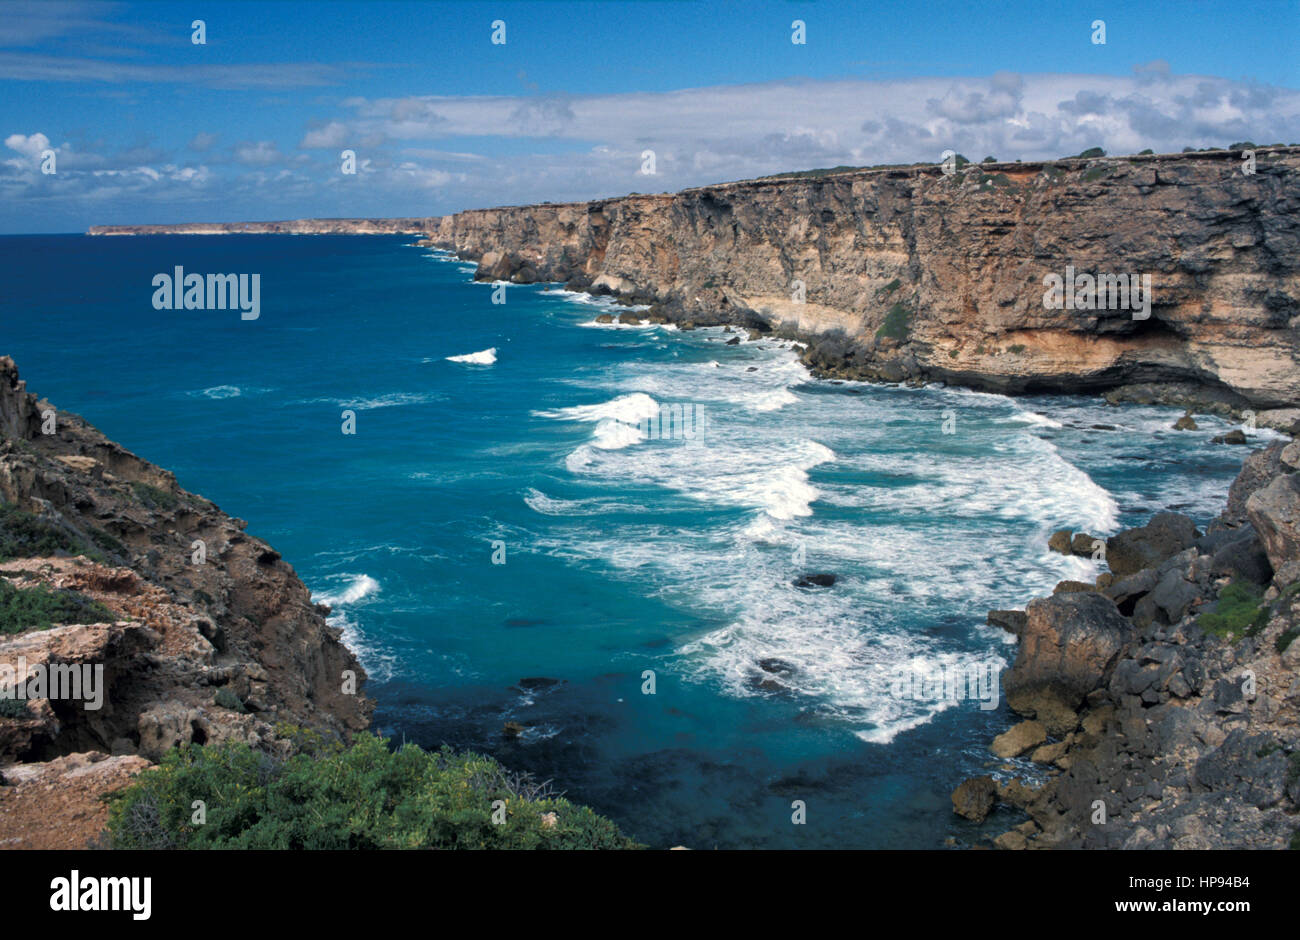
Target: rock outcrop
{"points": [[911, 274], [1172, 694], [194, 647]]}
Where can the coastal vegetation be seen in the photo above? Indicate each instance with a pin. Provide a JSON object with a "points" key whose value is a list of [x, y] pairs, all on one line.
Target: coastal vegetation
{"points": [[326, 795], [41, 606]]}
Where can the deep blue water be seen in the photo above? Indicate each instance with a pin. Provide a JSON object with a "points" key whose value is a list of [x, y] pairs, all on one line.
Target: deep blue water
{"points": [[621, 554]]}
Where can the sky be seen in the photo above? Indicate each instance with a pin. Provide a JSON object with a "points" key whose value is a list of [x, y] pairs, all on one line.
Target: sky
{"points": [[148, 126]]}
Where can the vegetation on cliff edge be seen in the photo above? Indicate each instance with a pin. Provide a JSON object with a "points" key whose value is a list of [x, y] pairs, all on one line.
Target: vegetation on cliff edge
{"points": [[331, 796]]}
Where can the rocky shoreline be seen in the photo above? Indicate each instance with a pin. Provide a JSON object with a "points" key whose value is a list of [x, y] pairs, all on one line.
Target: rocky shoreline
{"points": [[1161, 704], [195, 646]]}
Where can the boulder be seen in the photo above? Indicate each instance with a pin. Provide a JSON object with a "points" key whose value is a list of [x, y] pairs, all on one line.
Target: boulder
{"points": [[1274, 511], [1235, 436], [1186, 423], [1059, 541], [1083, 544], [1019, 738], [1258, 469], [1069, 643], [1290, 456], [1167, 534], [1013, 621], [1070, 587], [605, 318], [630, 318], [974, 798]]}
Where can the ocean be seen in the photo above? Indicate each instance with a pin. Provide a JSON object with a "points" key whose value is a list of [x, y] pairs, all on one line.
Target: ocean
{"points": [[608, 512]]}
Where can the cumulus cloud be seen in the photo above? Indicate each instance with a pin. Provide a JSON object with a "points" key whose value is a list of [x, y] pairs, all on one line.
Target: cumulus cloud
{"points": [[332, 135], [28, 145], [259, 153]]}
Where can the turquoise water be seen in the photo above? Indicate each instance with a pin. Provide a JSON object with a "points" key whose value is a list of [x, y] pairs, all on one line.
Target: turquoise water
{"points": [[622, 554]]}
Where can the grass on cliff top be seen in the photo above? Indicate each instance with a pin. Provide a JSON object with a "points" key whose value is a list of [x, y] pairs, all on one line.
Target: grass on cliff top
{"points": [[1239, 611], [328, 796], [41, 607]]}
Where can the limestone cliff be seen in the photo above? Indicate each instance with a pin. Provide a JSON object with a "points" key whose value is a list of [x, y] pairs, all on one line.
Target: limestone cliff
{"points": [[191, 652], [292, 227], [911, 274]]}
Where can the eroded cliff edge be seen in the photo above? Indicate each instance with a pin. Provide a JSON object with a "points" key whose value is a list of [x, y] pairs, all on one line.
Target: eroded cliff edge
{"points": [[911, 274], [232, 647]]}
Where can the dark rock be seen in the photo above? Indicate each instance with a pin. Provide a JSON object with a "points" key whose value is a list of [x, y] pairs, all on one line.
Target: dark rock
{"points": [[1186, 423], [1167, 534], [605, 318], [815, 580], [1235, 436], [1059, 541], [974, 798], [1083, 544], [537, 683], [777, 667], [734, 341], [512, 729], [1013, 621], [1069, 643], [1071, 587]]}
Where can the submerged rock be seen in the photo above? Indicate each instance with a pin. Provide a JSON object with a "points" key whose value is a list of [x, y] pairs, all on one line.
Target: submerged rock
{"points": [[815, 580]]}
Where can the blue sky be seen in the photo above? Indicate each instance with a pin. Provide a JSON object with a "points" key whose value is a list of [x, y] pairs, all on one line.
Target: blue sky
{"points": [[149, 127]]}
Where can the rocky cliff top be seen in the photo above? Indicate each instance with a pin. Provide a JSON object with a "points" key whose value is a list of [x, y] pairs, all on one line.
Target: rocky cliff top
{"points": [[193, 648]]}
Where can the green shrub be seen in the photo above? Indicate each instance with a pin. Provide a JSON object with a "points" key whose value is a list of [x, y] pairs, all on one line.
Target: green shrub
{"points": [[1017, 349], [226, 698], [13, 708], [1238, 611], [155, 498], [361, 797], [1142, 153], [1285, 639], [989, 160], [889, 288], [1096, 173], [1092, 152], [23, 535], [41, 607], [896, 325]]}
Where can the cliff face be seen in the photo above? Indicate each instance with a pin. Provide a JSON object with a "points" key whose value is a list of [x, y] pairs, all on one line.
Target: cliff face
{"points": [[292, 227], [190, 652], [914, 275]]}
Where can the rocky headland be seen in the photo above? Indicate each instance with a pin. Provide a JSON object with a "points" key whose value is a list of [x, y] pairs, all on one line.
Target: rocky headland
{"points": [[291, 227], [913, 274], [1162, 703], [195, 646]]}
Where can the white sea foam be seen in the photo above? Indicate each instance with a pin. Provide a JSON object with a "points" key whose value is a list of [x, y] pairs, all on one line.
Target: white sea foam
{"points": [[484, 357], [357, 587]]}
